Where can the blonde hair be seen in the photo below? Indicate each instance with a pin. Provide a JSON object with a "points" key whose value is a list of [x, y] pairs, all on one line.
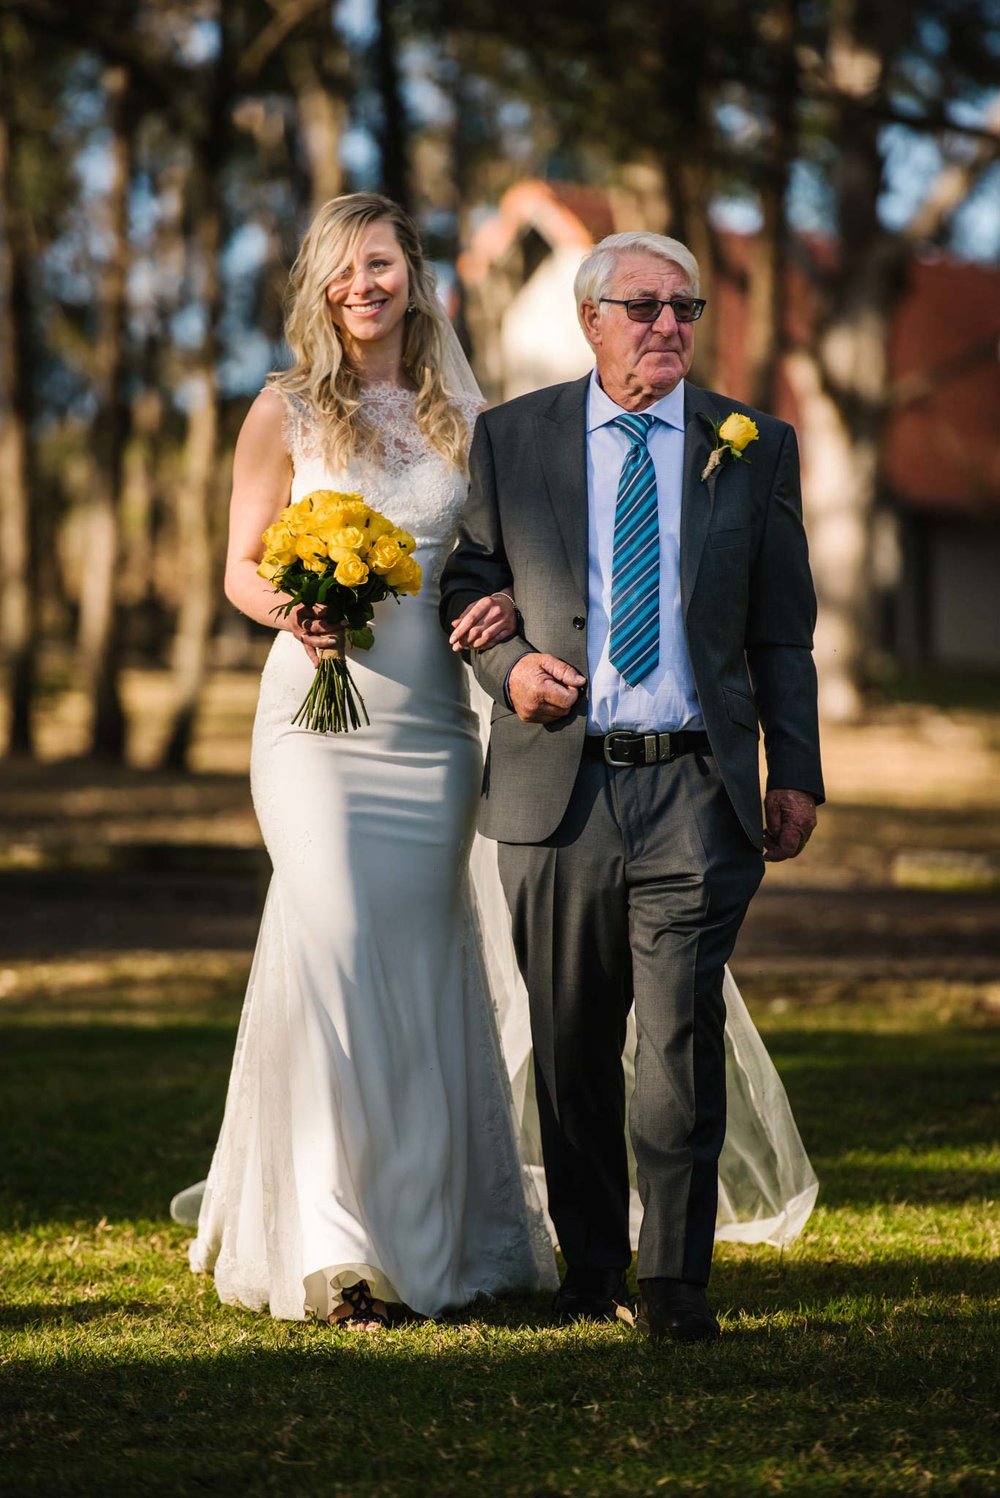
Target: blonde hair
{"points": [[322, 373], [597, 269]]}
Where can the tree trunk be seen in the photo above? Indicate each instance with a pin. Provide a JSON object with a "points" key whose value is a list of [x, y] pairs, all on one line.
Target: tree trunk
{"points": [[392, 135], [840, 378], [688, 156], [767, 277], [18, 618], [839, 467], [322, 116], [99, 643], [196, 495], [196, 615]]}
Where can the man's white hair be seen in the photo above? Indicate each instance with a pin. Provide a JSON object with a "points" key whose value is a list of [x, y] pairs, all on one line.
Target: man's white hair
{"points": [[597, 269]]}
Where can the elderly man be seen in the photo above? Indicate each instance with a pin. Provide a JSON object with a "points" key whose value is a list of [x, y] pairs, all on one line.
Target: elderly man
{"points": [[651, 535]]}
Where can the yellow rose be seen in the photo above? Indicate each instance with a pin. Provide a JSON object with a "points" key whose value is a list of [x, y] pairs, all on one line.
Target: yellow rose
{"points": [[351, 572], [299, 517], [405, 540], [312, 552], [378, 526], [268, 567], [406, 576], [384, 555], [348, 538], [279, 542], [738, 431], [353, 511]]}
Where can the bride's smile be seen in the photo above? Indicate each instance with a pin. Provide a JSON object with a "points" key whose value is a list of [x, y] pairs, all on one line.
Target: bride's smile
{"points": [[368, 297]]}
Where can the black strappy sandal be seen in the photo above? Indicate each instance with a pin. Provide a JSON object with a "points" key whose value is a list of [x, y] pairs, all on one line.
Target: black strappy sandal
{"points": [[363, 1312]]}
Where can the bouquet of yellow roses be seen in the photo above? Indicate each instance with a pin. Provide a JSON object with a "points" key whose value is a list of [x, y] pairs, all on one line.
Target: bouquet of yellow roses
{"points": [[334, 550]]}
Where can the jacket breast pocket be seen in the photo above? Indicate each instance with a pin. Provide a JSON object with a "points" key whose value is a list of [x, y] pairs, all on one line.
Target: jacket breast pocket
{"points": [[734, 536]]}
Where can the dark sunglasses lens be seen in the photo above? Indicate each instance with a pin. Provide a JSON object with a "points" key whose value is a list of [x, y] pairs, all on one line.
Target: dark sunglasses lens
{"points": [[643, 309], [686, 309]]}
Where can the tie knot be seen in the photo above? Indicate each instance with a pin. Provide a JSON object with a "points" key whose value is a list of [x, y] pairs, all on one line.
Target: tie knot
{"points": [[636, 425]]}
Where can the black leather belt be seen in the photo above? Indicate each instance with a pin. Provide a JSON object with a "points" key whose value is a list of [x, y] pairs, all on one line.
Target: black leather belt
{"points": [[622, 748]]}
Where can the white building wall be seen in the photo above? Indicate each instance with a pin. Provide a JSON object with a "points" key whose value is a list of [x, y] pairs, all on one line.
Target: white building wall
{"points": [[540, 338]]}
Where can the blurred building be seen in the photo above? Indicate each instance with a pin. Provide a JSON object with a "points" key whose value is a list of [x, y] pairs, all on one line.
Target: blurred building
{"points": [[938, 524]]}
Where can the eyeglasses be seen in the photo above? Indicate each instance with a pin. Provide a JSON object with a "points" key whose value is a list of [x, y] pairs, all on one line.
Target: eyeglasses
{"points": [[648, 308]]}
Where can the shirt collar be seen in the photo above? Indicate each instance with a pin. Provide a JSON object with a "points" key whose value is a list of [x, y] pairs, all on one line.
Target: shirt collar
{"points": [[602, 410]]}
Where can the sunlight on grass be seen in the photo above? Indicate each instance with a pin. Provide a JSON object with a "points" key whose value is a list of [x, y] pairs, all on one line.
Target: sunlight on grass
{"points": [[860, 1360]]}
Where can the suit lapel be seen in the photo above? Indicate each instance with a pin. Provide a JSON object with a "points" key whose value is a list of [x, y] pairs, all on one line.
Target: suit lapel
{"points": [[562, 440], [697, 496]]}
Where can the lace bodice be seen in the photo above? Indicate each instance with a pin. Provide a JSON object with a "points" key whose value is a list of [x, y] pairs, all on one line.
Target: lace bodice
{"points": [[411, 483]]}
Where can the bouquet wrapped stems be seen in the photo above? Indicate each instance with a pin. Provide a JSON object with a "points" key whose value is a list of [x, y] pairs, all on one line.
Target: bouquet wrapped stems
{"points": [[333, 703]]}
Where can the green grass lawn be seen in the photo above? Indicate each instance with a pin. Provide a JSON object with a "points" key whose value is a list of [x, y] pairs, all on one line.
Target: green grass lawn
{"points": [[864, 1360]]}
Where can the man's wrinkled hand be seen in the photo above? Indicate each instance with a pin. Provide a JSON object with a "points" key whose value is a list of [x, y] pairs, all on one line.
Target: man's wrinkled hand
{"points": [[789, 819], [543, 688]]}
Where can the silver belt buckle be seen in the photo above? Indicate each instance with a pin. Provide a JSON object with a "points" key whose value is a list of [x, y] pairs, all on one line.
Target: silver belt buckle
{"points": [[666, 755], [609, 750]]}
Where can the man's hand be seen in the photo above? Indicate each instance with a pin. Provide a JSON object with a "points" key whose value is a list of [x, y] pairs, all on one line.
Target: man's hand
{"points": [[543, 688], [789, 818]]}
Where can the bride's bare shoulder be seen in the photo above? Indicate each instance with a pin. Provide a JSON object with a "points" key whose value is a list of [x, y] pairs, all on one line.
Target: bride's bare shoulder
{"points": [[264, 433], [268, 411]]}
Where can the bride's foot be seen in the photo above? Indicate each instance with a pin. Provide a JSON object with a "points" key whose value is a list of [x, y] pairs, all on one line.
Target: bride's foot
{"points": [[358, 1311]]}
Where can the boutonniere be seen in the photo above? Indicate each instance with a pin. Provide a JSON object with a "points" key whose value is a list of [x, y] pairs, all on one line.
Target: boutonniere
{"points": [[731, 436]]}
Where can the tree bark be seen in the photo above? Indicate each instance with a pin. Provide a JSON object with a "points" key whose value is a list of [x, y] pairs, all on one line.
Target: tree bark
{"points": [[99, 644], [688, 155], [767, 274], [196, 491], [322, 115], [392, 135], [18, 619]]}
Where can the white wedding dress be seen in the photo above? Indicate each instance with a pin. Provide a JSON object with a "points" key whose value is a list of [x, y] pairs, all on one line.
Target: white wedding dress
{"points": [[368, 1131], [378, 1123]]}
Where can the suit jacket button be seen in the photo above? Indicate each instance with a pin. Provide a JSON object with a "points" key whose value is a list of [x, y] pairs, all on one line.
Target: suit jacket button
{"points": [[579, 622]]}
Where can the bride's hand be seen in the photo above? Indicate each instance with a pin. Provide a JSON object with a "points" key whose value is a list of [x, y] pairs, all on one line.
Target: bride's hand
{"points": [[484, 623], [317, 630]]}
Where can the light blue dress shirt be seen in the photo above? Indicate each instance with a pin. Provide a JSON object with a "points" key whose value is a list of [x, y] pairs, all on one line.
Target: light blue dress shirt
{"points": [[665, 699]]}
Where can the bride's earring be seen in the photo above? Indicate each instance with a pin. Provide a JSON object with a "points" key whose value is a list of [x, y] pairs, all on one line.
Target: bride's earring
{"points": [[411, 306]]}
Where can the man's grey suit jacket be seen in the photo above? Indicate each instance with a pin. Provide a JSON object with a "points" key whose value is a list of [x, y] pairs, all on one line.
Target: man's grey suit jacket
{"points": [[747, 595]]}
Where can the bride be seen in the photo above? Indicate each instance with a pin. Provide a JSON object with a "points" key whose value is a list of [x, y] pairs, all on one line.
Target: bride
{"points": [[379, 1108]]}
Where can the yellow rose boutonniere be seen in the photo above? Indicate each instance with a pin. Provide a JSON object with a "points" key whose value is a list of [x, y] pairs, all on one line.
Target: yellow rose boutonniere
{"points": [[732, 436]]}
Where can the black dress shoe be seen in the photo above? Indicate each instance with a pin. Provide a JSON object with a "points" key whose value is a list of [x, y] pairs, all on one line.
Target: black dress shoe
{"points": [[594, 1295], [676, 1309]]}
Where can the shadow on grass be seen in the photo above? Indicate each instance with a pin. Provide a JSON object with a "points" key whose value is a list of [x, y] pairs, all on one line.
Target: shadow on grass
{"points": [[296, 1408], [112, 1120], [73, 1313]]}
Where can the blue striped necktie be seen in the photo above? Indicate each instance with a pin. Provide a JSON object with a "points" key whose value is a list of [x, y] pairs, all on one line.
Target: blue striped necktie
{"points": [[635, 567]]}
